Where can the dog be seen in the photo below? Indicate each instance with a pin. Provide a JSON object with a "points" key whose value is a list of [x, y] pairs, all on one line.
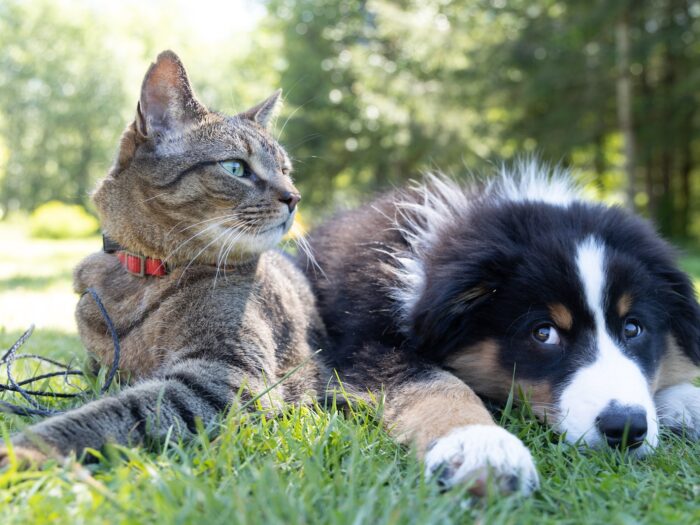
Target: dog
{"points": [[440, 295]]}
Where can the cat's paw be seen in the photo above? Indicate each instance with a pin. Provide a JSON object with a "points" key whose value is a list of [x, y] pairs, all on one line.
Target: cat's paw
{"points": [[478, 454], [23, 457], [678, 408]]}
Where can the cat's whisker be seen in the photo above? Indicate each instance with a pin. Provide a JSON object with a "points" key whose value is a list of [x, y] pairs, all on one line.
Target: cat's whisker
{"points": [[299, 238], [155, 196], [223, 253], [222, 248], [225, 232], [184, 243], [304, 140], [205, 221], [230, 243], [218, 224], [288, 119], [178, 223], [200, 252]]}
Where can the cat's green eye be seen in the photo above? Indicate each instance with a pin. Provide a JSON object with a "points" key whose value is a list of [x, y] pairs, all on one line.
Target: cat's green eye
{"points": [[233, 167]]}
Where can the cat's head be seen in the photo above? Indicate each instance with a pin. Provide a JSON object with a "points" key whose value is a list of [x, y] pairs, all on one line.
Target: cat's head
{"points": [[191, 184]]}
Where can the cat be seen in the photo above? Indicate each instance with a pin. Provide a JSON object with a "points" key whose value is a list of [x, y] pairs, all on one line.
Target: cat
{"points": [[199, 199]]}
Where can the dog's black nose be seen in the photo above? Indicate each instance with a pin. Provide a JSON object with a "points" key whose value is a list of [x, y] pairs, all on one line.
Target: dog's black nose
{"points": [[623, 426]]}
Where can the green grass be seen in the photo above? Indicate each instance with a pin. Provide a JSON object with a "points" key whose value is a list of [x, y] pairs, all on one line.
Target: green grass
{"points": [[306, 465]]}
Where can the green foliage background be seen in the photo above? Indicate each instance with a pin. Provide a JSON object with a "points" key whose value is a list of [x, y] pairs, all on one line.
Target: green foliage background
{"points": [[376, 91]]}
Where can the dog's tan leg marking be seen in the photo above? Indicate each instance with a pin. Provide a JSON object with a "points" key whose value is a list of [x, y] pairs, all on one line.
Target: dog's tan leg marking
{"points": [[457, 437], [421, 412]]}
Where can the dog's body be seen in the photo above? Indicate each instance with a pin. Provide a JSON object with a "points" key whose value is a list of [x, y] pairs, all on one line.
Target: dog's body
{"points": [[439, 294]]}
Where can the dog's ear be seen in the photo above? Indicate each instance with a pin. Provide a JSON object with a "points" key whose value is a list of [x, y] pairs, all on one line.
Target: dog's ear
{"points": [[683, 310], [441, 319]]}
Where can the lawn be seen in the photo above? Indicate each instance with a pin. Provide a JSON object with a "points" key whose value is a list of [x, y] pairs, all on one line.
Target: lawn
{"points": [[306, 465]]}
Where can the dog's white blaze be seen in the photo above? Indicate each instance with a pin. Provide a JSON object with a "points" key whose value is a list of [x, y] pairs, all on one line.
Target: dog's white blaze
{"points": [[612, 377]]}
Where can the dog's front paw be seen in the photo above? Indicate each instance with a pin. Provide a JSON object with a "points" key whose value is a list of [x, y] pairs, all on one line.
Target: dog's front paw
{"points": [[678, 408], [475, 454]]}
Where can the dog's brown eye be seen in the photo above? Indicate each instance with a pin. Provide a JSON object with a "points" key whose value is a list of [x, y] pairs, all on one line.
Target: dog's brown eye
{"points": [[546, 333], [632, 329]]}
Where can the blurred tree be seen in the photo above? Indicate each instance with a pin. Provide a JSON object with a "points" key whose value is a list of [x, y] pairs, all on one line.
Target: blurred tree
{"points": [[59, 89], [561, 63], [376, 92], [381, 89]]}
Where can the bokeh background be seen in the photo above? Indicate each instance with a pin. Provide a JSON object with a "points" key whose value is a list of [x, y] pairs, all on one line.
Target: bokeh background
{"points": [[376, 92]]}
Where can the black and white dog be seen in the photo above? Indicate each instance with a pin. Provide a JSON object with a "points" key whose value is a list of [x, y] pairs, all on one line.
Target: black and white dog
{"points": [[441, 294]]}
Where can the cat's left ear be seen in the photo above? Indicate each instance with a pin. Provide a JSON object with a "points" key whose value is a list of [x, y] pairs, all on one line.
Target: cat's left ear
{"points": [[167, 102], [263, 112]]}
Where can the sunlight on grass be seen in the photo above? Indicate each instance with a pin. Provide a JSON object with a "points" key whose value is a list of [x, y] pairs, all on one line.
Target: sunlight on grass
{"points": [[35, 280], [305, 465]]}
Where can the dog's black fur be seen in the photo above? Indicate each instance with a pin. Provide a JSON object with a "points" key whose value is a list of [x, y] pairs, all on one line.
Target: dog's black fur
{"points": [[520, 253], [490, 265]]}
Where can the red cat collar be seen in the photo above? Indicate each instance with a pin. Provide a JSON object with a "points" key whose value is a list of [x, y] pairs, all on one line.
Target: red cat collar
{"points": [[141, 265], [135, 263]]}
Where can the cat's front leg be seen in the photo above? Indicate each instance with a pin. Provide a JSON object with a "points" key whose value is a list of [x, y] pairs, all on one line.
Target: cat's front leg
{"points": [[190, 390]]}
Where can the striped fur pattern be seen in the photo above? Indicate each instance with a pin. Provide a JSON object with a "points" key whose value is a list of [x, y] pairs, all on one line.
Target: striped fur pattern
{"points": [[231, 318]]}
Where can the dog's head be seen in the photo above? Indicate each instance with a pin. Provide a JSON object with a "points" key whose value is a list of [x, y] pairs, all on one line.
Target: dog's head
{"points": [[583, 305]]}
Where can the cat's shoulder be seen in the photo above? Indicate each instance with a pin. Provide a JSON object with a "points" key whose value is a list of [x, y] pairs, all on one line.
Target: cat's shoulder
{"points": [[92, 270], [279, 269]]}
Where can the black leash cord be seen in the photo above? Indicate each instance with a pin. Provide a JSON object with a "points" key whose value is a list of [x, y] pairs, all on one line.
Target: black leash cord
{"points": [[35, 408]]}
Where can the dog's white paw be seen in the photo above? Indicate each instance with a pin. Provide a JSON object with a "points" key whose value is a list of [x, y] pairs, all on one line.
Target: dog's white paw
{"points": [[478, 453], [678, 408]]}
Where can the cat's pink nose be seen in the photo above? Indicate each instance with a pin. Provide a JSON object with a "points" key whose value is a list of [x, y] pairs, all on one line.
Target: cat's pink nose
{"points": [[290, 199]]}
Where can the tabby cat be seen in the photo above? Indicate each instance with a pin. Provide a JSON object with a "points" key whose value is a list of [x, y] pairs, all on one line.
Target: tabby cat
{"points": [[205, 197]]}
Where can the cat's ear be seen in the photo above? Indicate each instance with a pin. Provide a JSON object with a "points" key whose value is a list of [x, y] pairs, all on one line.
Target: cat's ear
{"points": [[167, 102], [262, 113]]}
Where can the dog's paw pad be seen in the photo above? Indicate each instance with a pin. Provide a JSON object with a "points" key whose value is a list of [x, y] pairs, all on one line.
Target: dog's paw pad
{"points": [[479, 455]]}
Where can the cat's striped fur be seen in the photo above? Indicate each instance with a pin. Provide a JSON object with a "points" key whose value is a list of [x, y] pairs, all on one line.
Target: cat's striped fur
{"points": [[231, 318]]}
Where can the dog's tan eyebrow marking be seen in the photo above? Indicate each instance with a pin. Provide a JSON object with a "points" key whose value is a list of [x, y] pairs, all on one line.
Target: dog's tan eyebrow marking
{"points": [[561, 316], [624, 304]]}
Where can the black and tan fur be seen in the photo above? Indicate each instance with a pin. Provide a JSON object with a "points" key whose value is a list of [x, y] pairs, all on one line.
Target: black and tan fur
{"points": [[231, 317], [432, 295]]}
